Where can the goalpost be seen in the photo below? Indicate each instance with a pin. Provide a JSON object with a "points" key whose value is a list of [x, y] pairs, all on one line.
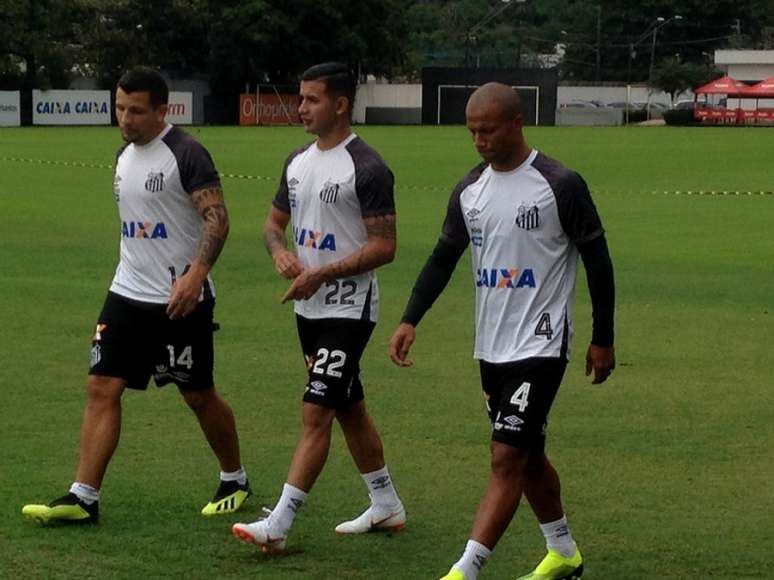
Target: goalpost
{"points": [[451, 99]]}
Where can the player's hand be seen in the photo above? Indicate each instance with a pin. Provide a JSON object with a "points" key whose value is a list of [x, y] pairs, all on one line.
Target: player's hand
{"points": [[185, 293], [287, 263], [600, 359], [304, 285], [400, 344]]}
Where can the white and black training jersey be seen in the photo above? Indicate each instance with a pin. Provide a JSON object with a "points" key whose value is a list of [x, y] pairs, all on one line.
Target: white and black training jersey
{"points": [[327, 194], [523, 226], [160, 227]]}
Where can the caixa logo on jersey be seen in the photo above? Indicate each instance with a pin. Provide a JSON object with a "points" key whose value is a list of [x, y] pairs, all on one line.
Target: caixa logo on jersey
{"points": [[314, 239], [144, 230], [505, 278]]}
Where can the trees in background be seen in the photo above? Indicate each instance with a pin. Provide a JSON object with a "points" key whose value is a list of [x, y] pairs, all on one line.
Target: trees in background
{"points": [[44, 43]]}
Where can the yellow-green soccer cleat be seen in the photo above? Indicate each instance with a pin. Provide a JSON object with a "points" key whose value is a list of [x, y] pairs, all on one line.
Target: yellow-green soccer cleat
{"points": [[557, 567], [454, 574], [228, 498], [68, 508]]}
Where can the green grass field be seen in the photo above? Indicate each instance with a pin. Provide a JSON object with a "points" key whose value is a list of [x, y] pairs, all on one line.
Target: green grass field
{"points": [[667, 469]]}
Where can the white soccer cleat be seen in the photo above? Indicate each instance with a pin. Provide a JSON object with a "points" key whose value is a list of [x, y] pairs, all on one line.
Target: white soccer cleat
{"points": [[261, 534], [375, 519]]}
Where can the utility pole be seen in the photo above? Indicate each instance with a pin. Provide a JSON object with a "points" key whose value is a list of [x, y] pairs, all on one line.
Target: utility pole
{"points": [[599, 43]]}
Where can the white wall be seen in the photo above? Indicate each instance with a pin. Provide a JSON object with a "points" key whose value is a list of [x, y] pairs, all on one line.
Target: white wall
{"points": [[750, 72], [614, 94], [385, 95]]}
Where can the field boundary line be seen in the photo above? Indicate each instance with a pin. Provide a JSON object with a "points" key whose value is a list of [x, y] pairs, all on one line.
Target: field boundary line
{"points": [[689, 192]]}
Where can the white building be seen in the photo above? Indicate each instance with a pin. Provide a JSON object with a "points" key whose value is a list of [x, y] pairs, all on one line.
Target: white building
{"points": [[746, 65]]}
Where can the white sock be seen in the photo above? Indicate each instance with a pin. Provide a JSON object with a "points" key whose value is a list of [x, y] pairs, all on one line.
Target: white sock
{"points": [[558, 537], [380, 487], [240, 475], [284, 512], [85, 493], [473, 559]]}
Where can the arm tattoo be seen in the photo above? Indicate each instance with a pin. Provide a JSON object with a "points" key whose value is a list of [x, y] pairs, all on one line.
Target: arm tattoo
{"points": [[382, 226], [274, 240], [367, 258], [209, 203]]}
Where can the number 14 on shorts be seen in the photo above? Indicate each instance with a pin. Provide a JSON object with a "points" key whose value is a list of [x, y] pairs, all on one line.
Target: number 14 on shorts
{"points": [[184, 359]]}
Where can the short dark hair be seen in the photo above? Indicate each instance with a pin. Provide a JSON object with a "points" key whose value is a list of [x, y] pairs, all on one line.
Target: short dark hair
{"points": [[144, 79], [338, 78]]}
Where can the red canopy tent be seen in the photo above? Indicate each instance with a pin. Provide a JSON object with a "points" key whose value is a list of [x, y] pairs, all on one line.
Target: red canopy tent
{"points": [[763, 90], [733, 89], [722, 86]]}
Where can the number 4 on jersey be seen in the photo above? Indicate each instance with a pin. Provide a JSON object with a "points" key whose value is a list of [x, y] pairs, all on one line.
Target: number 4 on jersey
{"points": [[543, 327]]}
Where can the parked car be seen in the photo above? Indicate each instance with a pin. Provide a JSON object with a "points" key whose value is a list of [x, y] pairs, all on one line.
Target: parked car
{"points": [[633, 105], [578, 104]]}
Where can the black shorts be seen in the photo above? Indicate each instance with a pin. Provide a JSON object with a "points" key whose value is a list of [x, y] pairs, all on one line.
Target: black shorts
{"points": [[334, 347], [135, 340], [519, 396]]}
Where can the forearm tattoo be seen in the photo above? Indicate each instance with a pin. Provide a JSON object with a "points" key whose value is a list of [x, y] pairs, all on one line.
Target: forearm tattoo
{"points": [[365, 259], [210, 205], [274, 240]]}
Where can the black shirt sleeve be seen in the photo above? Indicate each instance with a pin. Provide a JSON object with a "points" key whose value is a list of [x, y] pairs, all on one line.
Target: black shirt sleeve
{"points": [[282, 198], [577, 213], [599, 274], [374, 182], [197, 170], [432, 280], [375, 185], [454, 231]]}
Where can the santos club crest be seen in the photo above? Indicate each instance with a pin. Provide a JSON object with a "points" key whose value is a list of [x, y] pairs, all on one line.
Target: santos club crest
{"points": [[527, 218]]}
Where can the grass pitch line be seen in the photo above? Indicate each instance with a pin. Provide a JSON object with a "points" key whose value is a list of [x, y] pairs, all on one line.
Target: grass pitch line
{"points": [[88, 165]]}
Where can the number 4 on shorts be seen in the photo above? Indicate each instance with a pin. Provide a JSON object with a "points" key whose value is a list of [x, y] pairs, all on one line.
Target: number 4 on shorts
{"points": [[520, 397]]}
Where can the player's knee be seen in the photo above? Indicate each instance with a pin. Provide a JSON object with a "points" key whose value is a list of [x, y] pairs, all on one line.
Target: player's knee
{"points": [[104, 390], [317, 418], [508, 462], [198, 400]]}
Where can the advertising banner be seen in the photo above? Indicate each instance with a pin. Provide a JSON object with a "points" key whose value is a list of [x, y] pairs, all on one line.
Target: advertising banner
{"points": [[180, 109], [10, 109], [70, 107], [273, 109]]}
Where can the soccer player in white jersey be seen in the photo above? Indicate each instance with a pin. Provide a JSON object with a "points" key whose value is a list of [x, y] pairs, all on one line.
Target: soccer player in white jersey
{"points": [[526, 218], [158, 315], [338, 194]]}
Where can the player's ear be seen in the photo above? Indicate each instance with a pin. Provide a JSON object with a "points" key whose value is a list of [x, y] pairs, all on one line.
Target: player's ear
{"points": [[342, 105], [161, 112]]}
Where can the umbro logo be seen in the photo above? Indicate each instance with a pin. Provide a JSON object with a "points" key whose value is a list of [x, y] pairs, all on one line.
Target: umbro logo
{"points": [[473, 214], [381, 482], [317, 388], [154, 182], [117, 187], [513, 420]]}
